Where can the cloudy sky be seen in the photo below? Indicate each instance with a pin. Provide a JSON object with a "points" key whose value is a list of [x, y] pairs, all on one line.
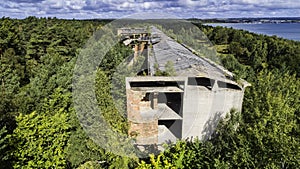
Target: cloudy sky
{"points": [[87, 9]]}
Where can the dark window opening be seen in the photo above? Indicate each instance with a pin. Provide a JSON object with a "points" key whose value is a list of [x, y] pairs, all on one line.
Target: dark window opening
{"points": [[175, 126], [201, 81], [146, 98], [154, 84], [228, 85], [172, 100], [167, 123]]}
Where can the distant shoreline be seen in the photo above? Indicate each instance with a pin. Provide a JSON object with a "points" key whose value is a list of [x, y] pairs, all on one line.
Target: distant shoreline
{"points": [[285, 30], [249, 20]]}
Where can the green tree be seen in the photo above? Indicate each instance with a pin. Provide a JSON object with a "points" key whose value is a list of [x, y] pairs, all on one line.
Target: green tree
{"points": [[220, 35], [4, 152], [40, 140], [270, 115]]}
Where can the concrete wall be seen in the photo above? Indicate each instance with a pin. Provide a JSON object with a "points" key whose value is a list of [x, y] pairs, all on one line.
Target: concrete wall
{"points": [[202, 108], [201, 105]]}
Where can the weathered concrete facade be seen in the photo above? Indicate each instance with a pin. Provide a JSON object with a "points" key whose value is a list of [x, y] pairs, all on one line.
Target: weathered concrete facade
{"points": [[164, 109]]}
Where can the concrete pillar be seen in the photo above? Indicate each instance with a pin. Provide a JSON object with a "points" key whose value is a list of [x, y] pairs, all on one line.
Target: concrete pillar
{"points": [[142, 47], [215, 86], [154, 100], [136, 50]]}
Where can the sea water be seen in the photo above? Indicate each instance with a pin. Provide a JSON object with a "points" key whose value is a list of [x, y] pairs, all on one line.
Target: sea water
{"points": [[285, 30]]}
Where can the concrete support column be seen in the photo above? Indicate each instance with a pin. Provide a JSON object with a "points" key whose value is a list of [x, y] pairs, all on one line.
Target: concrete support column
{"points": [[154, 100], [215, 86], [136, 51]]}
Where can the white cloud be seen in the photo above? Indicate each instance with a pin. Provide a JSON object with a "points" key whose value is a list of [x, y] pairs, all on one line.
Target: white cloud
{"points": [[119, 8], [54, 3], [148, 5], [193, 3]]}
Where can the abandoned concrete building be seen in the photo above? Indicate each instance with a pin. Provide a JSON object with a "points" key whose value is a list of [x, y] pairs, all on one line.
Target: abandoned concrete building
{"points": [[162, 109]]}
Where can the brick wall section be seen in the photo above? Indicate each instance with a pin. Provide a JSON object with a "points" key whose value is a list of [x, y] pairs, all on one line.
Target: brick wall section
{"points": [[133, 108], [145, 132]]}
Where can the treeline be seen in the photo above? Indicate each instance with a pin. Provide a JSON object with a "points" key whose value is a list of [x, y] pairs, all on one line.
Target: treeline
{"points": [[40, 129], [238, 47]]}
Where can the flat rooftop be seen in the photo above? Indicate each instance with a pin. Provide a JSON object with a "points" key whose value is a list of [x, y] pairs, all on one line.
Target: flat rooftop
{"points": [[186, 63]]}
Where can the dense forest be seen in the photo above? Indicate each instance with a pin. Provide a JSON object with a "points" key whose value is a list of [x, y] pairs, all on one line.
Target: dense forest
{"points": [[40, 129]]}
